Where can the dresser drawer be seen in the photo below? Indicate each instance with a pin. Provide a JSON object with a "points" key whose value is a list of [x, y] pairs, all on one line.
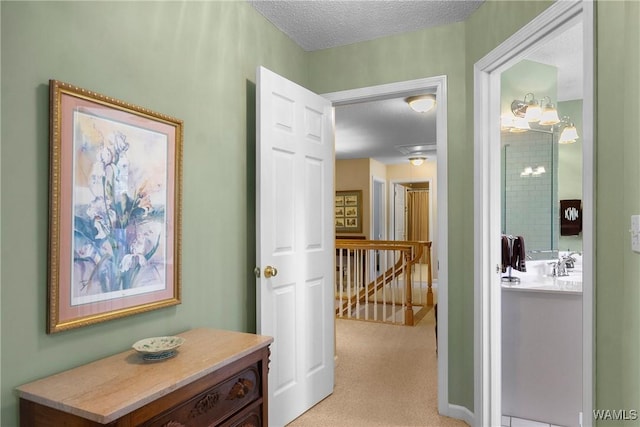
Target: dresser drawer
{"points": [[250, 417], [214, 405]]}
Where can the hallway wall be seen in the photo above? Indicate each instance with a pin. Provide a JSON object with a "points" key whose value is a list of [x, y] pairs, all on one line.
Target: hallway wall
{"points": [[196, 61], [192, 60]]}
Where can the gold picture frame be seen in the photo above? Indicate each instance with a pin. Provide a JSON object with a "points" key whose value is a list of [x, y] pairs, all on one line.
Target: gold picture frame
{"points": [[348, 211], [115, 209]]}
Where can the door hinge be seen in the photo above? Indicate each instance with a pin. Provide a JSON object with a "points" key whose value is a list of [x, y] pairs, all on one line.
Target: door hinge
{"points": [[256, 271]]}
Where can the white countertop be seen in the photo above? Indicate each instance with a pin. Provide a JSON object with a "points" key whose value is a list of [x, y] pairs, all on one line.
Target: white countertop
{"points": [[538, 279]]}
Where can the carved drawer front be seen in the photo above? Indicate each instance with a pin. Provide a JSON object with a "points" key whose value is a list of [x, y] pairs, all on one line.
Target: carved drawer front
{"points": [[213, 406], [252, 417]]}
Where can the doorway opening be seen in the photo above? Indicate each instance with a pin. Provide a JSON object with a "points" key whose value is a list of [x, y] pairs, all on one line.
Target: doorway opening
{"points": [[438, 86], [411, 211], [490, 303], [412, 215]]}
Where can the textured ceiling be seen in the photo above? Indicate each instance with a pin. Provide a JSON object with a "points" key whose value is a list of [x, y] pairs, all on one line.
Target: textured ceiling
{"points": [[383, 129], [565, 53], [315, 25]]}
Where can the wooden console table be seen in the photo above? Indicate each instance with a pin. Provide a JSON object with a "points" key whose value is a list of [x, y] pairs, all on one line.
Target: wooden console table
{"points": [[217, 378]]}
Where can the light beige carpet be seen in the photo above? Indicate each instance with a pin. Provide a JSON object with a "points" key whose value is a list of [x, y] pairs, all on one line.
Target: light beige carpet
{"points": [[386, 375]]}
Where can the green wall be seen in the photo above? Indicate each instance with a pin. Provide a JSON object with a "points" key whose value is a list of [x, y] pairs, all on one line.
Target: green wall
{"points": [[617, 144], [493, 23], [196, 61], [192, 60]]}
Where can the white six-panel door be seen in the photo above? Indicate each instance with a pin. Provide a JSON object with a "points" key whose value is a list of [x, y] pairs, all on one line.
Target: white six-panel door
{"points": [[295, 243]]}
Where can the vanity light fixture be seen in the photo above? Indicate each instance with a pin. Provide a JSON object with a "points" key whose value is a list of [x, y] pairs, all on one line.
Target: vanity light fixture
{"points": [[539, 170], [513, 124], [520, 124], [506, 121], [527, 108], [529, 171], [569, 132], [422, 103], [568, 135], [549, 113], [533, 111]]}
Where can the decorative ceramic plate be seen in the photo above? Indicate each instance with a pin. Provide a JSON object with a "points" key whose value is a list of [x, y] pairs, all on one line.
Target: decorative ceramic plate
{"points": [[159, 356], [158, 346]]}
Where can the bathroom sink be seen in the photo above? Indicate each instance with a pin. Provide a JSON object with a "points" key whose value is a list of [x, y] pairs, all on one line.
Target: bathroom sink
{"points": [[570, 283]]}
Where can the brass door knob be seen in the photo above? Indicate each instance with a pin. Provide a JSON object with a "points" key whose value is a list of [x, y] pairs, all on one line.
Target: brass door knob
{"points": [[270, 271]]}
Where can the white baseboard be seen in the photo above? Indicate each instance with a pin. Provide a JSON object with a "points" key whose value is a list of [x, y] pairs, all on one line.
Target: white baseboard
{"points": [[461, 413]]}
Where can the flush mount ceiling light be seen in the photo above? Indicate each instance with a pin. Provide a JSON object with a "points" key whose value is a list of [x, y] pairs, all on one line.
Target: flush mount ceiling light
{"points": [[422, 103], [417, 154], [417, 160]]}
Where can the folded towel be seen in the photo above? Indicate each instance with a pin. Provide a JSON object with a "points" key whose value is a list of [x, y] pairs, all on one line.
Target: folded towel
{"points": [[570, 217]]}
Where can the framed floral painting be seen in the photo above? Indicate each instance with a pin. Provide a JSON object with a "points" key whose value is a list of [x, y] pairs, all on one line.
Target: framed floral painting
{"points": [[115, 208]]}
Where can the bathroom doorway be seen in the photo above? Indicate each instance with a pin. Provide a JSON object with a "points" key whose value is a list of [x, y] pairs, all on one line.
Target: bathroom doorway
{"points": [[491, 298]]}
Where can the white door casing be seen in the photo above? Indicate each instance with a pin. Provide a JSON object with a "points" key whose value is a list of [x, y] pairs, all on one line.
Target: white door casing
{"points": [[437, 85], [487, 341], [295, 235], [400, 211]]}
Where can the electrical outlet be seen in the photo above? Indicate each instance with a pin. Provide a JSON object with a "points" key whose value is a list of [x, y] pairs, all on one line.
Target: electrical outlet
{"points": [[635, 233]]}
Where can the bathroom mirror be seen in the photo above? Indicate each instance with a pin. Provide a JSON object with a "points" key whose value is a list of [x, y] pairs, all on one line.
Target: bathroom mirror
{"points": [[530, 190], [540, 172]]}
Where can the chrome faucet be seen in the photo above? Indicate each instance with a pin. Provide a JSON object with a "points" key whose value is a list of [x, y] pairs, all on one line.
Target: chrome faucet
{"points": [[559, 268], [570, 260]]}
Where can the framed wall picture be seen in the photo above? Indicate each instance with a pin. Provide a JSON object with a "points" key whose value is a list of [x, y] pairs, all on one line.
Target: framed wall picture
{"points": [[348, 211], [115, 208]]}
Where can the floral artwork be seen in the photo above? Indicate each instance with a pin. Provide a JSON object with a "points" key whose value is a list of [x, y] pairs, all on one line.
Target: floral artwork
{"points": [[119, 209], [114, 225]]}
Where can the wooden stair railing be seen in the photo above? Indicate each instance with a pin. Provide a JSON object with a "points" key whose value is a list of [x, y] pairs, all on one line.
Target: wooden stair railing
{"points": [[387, 277], [411, 254]]}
